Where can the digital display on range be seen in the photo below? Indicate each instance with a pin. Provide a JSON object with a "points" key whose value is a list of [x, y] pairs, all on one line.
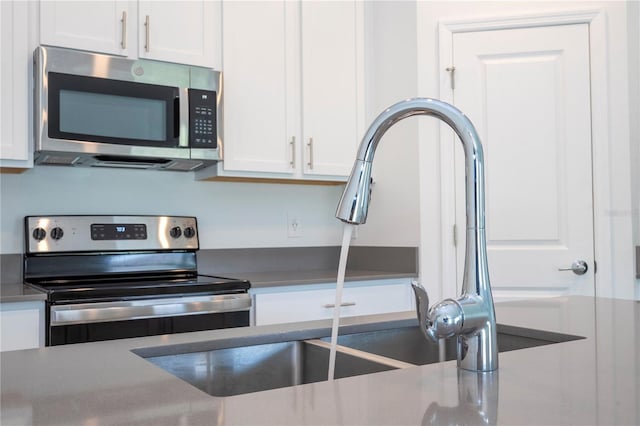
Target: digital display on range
{"points": [[118, 231]]}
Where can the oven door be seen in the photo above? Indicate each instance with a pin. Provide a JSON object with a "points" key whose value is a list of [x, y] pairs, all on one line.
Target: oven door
{"points": [[91, 322]]}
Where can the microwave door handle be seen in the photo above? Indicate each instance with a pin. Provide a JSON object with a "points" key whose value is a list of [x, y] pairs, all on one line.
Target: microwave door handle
{"points": [[176, 117]]}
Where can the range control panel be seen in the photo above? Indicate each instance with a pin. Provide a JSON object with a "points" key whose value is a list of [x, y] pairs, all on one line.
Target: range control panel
{"points": [[118, 231], [52, 234]]}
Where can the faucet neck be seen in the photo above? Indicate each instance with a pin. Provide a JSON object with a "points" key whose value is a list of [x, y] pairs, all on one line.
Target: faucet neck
{"points": [[354, 204], [474, 308]]}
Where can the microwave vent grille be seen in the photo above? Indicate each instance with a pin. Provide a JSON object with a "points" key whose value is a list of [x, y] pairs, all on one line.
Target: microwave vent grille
{"points": [[58, 160], [185, 166]]}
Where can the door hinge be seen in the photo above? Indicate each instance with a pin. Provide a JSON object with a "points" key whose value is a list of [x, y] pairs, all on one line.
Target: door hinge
{"points": [[452, 73], [455, 235]]}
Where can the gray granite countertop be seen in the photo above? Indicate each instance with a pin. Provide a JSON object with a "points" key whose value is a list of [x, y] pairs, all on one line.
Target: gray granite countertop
{"points": [[17, 292], [13, 291], [595, 380], [264, 267], [276, 279]]}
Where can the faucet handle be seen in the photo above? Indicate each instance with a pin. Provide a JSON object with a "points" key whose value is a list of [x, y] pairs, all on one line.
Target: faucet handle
{"points": [[444, 319], [422, 310]]}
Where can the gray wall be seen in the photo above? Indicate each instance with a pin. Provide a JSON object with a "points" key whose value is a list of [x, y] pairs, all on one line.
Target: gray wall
{"points": [[394, 217]]}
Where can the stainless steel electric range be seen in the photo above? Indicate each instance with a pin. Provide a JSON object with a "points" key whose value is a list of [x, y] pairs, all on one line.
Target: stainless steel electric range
{"points": [[112, 277]]}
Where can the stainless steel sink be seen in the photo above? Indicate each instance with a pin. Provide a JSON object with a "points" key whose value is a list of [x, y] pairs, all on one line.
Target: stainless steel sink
{"points": [[408, 344], [245, 365], [245, 369]]}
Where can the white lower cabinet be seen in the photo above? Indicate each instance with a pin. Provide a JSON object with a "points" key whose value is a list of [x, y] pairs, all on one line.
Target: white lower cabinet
{"points": [[276, 305], [21, 325]]}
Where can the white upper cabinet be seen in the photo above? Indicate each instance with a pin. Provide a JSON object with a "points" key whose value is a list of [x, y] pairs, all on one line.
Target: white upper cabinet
{"points": [[15, 148], [97, 26], [293, 78], [259, 123], [331, 85], [185, 32]]}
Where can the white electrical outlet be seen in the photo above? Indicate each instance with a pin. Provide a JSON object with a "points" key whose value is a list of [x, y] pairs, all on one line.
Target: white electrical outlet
{"points": [[294, 225]]}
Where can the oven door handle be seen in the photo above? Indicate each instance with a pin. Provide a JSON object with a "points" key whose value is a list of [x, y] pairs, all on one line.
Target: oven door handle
{"points": [[143, 309]]}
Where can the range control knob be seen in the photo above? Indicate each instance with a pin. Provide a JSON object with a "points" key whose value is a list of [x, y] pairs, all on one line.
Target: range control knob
{"points": [[39, 234], [57, 233], [189, 232], [175, 232]]}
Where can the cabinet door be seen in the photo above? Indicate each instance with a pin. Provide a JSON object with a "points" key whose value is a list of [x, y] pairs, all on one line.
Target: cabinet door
{"points": [[332, 49], [98, 26], [14, 85], [257, 119], [186, 32], [21, 325], [300, 304]]}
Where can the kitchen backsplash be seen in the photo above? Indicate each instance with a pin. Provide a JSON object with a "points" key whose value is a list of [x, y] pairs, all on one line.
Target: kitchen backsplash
{"points": [[230, 215], [230, 261], [233, 261]]}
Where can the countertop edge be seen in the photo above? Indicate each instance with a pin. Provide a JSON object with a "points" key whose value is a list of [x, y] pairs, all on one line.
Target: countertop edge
{"points": [[280, 279], [14, 292]]}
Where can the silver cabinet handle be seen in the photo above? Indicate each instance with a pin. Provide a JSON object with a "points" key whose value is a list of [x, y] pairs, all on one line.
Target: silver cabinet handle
{"points": [[310, 145], [123, 43], [579, 267], [146, 33], [343, 304], [292, 143]]}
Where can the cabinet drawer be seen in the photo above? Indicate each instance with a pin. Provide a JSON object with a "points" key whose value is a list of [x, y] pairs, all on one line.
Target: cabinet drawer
{"points": [[305, 305]]}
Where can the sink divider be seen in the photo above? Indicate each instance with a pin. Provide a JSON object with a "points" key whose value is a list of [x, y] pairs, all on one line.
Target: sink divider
{"points": [[362, 354]]}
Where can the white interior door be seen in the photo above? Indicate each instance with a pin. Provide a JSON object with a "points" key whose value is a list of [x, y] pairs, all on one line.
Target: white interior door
{"points": [[527, 91]]}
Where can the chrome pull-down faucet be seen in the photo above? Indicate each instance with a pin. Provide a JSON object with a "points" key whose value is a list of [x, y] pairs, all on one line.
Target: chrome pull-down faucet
{"points": [[470, 317]]}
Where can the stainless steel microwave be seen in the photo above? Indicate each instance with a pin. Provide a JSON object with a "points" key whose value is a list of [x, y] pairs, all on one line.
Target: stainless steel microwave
{"points": [[97, 110]]}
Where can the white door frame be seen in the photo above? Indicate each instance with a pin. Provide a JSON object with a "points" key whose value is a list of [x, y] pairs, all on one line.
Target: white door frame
{"points": [[605, 180]]}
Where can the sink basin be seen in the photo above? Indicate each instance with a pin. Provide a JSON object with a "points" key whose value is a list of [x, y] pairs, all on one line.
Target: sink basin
{"points": [[245, 369], [240, 366], [408, 344]]}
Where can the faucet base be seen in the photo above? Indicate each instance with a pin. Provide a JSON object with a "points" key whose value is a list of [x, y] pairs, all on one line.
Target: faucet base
{"points": [[479, 352]]}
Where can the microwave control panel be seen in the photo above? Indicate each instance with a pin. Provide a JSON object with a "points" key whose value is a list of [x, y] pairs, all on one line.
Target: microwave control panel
{"points": [[202, 119]]}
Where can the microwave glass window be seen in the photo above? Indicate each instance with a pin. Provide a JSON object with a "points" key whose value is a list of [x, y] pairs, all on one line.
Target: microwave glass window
{"points": [[113, 116], [93, 109]]}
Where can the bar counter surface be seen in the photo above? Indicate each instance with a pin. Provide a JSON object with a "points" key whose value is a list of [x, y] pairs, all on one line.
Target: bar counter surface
{"points": [[590, 381]]}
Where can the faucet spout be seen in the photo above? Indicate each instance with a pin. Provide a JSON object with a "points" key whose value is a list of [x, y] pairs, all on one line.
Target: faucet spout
{"points": [[475, 324]]}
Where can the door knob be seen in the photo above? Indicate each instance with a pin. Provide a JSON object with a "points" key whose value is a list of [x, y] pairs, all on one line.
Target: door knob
{"points": [[579, 267]]}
